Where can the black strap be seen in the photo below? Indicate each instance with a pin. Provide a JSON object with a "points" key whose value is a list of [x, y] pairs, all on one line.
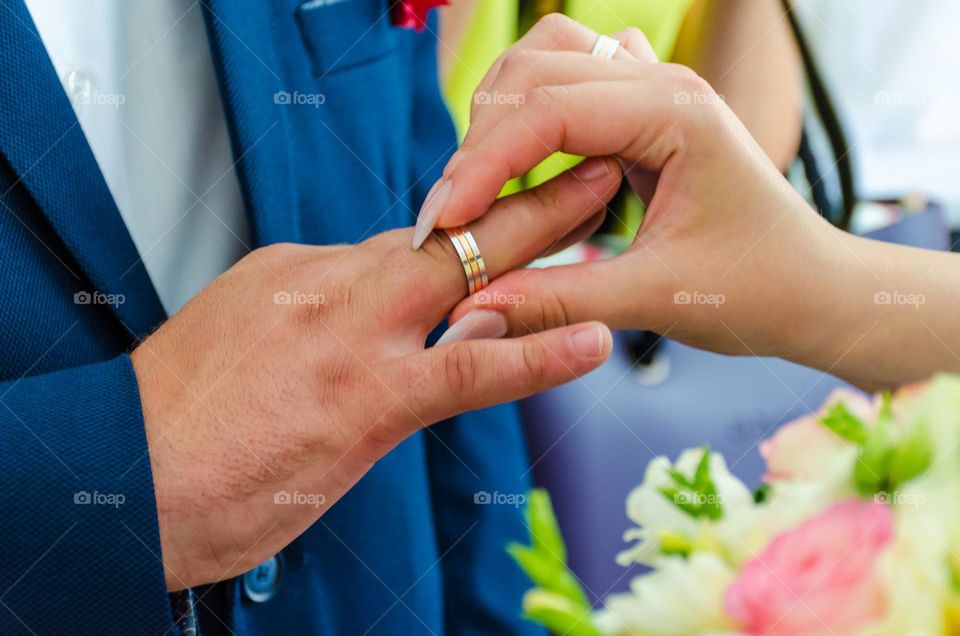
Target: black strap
{"points": [[831, 125]]}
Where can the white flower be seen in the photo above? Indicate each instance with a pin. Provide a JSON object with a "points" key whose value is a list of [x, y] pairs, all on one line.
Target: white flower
{"points": [[664, 527], [680, 598], [916, 570], [937, 408]]}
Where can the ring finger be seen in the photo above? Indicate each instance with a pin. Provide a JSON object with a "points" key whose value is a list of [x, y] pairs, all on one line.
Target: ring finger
{"points": [[516, 230]]}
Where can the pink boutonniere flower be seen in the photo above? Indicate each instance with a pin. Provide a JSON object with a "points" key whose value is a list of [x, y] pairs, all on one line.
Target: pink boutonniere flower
{"points": [[412, 14]]}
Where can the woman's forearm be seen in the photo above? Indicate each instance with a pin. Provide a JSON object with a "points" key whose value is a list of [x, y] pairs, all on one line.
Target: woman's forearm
{"points": [[745, 50], [893, 314]]}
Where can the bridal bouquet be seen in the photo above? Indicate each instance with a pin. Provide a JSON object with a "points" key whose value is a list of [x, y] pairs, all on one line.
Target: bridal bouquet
{"points": [[856, 530]]}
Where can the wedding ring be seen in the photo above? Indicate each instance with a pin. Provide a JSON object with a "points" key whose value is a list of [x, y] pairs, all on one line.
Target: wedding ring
{"points": [[470, 257], [605, 48]]}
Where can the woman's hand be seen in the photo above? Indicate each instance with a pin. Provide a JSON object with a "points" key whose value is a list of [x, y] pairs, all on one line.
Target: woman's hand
{"points": [[729, 256], [716, 207]]}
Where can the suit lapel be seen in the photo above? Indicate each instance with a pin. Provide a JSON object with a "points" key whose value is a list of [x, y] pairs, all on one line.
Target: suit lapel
{"points": [[44, 143], [249, 77]]}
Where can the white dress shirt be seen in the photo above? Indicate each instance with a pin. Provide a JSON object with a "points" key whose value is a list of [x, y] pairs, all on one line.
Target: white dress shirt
{"points": [[141, 79]]}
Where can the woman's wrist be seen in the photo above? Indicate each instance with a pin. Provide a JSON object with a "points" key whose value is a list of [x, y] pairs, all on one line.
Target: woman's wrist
{"points": [[881, 313], [826, 298]]}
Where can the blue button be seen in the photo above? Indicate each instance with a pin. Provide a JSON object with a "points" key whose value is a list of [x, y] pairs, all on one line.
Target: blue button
{"points": [[261, 583]]}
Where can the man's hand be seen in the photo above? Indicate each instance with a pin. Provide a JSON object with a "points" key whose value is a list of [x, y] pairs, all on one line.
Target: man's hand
{"points": [[301, 366]]}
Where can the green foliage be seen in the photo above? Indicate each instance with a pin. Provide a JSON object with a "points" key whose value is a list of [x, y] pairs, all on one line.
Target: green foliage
{"points": [[845, 424], [870, 473], [761, 494], [889, 456], [697, 496], [558, 601], [558, 614], [911, 457]]}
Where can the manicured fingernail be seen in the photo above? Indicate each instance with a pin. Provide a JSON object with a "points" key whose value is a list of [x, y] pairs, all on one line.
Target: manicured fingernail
{"points": [[587, 341], [432, 207], [480, 323], [592, 168], [432, 190]]}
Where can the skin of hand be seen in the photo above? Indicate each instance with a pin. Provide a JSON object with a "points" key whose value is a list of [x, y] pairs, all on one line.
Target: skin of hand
{"points": [[743, 48], [729, 257], [301, 366]]}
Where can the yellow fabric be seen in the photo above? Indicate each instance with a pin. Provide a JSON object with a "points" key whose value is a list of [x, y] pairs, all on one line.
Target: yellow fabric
{"points": [[493, 28]]}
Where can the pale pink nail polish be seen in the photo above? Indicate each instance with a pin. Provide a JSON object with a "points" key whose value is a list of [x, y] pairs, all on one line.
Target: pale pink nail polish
{"points": [[476, 325], [430, 212]]}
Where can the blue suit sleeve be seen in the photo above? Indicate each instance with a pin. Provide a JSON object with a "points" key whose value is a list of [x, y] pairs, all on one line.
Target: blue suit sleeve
{"points": [[80, 549], [475, 453], [478, 475]]}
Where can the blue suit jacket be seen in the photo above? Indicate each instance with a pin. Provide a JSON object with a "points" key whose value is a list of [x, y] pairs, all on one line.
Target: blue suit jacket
{"points": [[406, 551]]}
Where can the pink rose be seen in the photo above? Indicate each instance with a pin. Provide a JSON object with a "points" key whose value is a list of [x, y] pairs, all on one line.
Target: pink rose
{"points": [[798, 449], [412, 14], [818, 578]]}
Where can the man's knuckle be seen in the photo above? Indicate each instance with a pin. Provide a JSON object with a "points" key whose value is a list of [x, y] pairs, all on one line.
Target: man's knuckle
{"points": [[553, 311], [379, 242], [534, 366], [288, 276], [460, 369], [344, 293], [547, 198], [273, 251]]}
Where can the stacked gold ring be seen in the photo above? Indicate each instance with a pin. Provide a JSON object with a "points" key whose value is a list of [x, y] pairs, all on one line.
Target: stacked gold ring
{"points": [[470, 258]]}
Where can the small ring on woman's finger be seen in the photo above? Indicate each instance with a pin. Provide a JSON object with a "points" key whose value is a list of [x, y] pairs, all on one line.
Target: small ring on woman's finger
{"points": [[605, 47]]}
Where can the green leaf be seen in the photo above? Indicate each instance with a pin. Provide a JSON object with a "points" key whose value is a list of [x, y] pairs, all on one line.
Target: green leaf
{"points": [[681, 479], [558, 614], [545, 560], [696, 495], [885, 412], [547, 573], [911, 457], [872, 470], [845, 424], [761, 494], [544, 529], [682, 499], [701, 477], [542, 570], [953, 565]]}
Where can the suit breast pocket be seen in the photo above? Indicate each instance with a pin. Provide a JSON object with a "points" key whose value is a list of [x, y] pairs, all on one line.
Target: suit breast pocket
{"points": [[341, 34]]}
